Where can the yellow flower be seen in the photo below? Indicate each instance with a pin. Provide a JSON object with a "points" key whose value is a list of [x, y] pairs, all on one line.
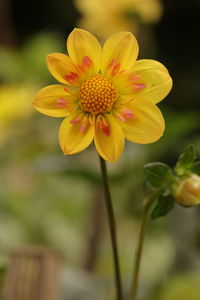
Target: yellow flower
{"points": [[187, 192], [14, 106], [106, 17], [105, 95]]}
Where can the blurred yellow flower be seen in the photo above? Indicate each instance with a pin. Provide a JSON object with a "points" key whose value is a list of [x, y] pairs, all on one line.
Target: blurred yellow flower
{"points": [[105, 17], [187, 192], [106, 95], [14, 105]]}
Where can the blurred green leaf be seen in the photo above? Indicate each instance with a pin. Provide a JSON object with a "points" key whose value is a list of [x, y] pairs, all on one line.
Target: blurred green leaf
{"points": [[29, 61], [164, 205], [10, 65], [158, 174], [185, 160], [34, 54]]}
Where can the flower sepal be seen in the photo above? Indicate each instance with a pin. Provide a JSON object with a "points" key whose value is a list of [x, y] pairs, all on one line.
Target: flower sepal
{"points": [[187, 192], [185, 161], [180, 185], [158, 174], [163, 206]]}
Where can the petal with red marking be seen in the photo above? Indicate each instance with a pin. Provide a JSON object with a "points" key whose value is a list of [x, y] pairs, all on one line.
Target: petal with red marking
{"points": [[155, 77], [63, 69], [119, 54], [128, 83], [108, 138], [55, 100], [85, 51], [144, 124], [76, 133]]}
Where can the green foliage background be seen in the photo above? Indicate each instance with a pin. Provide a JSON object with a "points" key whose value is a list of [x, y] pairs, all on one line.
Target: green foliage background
{"points": [[49, 199]]}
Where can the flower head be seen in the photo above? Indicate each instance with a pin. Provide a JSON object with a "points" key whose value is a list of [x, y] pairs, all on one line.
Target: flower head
{"points": [[106, 17], [105, 95], [187, 192]]}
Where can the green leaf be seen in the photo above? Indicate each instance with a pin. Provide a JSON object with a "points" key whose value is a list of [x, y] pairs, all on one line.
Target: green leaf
{"points": [[158, 174], [196, 168], [185, 160], [164, 205]]}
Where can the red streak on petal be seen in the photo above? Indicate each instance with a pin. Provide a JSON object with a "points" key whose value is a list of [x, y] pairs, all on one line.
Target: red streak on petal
{"points": [[103, 125], [71, 77], [106, 130], [139, 86], [127, 113], [133, 77], [75, 121], [112, 63], [83, 127], [87, 62], [136, 77], [81, 68], [122, 71], [115, 69], [61, 103], [121, 117], [62, 100]]}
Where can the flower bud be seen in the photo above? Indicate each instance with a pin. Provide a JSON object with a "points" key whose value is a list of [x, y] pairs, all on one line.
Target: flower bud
{"points": [[187, 192]]}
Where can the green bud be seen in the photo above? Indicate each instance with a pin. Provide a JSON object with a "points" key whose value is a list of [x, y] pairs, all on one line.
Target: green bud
{"points": [[187, 191]]}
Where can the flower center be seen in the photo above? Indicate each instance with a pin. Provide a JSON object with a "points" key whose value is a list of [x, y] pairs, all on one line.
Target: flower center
{"points": [[97, 95]]}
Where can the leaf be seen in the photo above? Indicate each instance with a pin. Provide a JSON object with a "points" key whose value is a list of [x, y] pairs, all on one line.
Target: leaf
{"points": [[158, 174], [196, 168], [164, 205], [185, 160]]}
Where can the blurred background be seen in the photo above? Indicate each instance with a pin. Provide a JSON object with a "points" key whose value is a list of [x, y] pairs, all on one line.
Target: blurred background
{"points": [[56, 202]]}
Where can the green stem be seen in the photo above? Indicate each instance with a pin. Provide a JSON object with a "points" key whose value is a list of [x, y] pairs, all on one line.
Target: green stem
{"points": [[112, 228], [139, 250]]}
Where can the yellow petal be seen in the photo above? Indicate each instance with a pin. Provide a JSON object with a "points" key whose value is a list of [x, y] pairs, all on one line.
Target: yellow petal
{"points": [[156, 79], [108, 138], [119, 53], [55, 101], [144, 64], [63, 69], [125, 83], [141, 121], [85, 51], [76, 133]]}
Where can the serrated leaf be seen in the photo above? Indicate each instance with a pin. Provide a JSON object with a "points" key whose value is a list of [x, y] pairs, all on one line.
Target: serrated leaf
{"points": [[196, 168], [158, 174], [185, 160], [164, 205]]}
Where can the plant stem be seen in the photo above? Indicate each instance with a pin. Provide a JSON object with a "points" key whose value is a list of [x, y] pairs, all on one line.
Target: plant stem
{"points": [[139, 250], [112, 228]]}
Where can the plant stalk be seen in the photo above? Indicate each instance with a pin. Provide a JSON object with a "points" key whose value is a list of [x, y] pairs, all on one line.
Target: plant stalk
{"points": [[112, 228], [139, 250]]}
